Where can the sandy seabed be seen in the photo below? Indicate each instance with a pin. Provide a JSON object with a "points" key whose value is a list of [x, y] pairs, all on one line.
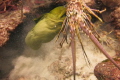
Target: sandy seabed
{"points": [[51, 62]]}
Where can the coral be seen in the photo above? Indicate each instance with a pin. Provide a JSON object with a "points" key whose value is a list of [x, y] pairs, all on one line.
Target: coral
{"points": [[117, 32], [8, 22], [107, 71], [112, 14], [116, 21], [116, 18], [111, 3]]}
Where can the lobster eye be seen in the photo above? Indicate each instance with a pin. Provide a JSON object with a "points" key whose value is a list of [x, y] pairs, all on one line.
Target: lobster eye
{"points": [[99, 2]]}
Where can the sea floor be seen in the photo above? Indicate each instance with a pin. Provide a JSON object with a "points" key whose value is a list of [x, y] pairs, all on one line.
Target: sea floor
{"points": [[51, 62]]}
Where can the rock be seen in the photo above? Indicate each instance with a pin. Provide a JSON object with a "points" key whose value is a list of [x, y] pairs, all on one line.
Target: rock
{"points": [[107, 71], [116, 18], [117, 32], [111, 3], [8, 23]]}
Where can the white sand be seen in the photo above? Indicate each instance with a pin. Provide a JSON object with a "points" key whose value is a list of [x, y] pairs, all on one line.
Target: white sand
{"points": [[53, 63]]}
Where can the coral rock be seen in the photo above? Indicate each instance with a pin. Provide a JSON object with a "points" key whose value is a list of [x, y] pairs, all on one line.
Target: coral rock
{"points": [[107, 71], [111, 3], [8, 22]]}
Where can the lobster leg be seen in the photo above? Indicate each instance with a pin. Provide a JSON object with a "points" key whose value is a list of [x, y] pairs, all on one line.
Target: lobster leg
{"points": [[73, 48], [96, 42], [84, 53]]}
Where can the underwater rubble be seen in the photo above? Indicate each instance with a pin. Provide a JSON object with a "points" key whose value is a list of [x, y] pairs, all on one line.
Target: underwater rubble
{"points": [[49, 66]]}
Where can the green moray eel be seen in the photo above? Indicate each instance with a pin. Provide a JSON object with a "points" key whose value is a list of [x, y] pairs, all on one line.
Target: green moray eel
{"points": [[46, 28]]}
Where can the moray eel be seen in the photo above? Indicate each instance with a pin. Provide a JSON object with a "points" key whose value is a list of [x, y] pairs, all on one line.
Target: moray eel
{"points": [[46, 28]]}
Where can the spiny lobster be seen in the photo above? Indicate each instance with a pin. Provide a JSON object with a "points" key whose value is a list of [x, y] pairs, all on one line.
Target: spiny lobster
{"points": [[8, 5], [77, 19]]}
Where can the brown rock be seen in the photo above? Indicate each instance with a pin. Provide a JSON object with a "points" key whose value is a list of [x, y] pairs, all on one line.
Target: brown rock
{"points": [[117, 33], [116, 18], [8, 22], [111, 3], [107, 71]]}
